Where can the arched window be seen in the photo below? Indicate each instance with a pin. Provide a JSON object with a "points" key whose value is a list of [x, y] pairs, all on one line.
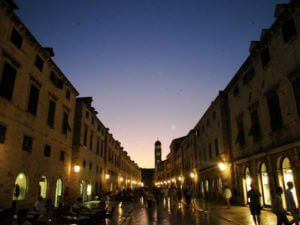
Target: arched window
{"points": [[43, 187], [58, 192], [247, 184], [265, 185], [248, 179], [20, 187], [89, 189], [83, 190], [288, 176]]}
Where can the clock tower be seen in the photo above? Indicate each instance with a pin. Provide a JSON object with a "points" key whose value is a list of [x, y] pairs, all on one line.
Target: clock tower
{"points": [[157, 152]]}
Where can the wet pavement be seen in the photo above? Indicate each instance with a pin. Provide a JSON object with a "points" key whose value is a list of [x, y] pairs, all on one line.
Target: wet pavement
{"points": [[203, 213], [164, 213]]}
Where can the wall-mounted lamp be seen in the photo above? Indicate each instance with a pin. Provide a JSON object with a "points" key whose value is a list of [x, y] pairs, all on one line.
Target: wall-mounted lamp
{"points": [[76, 168]]}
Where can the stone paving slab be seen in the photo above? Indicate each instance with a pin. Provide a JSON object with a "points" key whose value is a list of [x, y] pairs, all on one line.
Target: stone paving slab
{"points": [[239, 215]]}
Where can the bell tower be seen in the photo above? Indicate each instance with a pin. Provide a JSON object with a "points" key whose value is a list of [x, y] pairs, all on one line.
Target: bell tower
{"points": [[157, 153]]}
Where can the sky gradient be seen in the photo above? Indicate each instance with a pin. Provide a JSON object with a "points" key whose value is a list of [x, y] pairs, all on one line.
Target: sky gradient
{"points": [[151, 66]]}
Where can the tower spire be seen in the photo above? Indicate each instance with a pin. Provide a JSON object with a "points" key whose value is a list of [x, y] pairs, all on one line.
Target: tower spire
{"points": [[157, 153]]}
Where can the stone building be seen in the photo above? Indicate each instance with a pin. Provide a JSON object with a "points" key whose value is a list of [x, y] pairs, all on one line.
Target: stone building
{"points": [[212, 149], [148, 177], [52, 144], [37, 105], [264, 103], [87, 174], [251, 132], [176, 158], [99, 163]]}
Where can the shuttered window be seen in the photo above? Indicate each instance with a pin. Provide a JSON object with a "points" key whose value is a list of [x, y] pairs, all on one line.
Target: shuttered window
{"points": [[288, 30], [16, 38], [51, 113], [296, 87], [2, 133], [7, 81], [27, 143], [255, 126], [275, 112], [33, 99], [47, 151]]}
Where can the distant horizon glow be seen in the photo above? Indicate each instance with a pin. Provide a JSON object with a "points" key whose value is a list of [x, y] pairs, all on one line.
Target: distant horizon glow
{"points": [[152, 67]]}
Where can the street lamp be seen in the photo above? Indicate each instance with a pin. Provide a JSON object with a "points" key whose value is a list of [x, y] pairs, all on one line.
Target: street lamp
{"points": [[192, 175], [222, 166], [107, 176], [76, 168]]}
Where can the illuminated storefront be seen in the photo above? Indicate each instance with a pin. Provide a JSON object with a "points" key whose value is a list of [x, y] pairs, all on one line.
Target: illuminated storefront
{"points": [[247, 184], [43, 187], [20, 187], [58, 192], [265, 185], [288, 176]]}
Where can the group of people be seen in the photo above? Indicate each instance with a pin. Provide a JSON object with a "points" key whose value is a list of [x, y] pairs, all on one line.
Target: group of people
{"points": [[254, 196], [176, 195]]}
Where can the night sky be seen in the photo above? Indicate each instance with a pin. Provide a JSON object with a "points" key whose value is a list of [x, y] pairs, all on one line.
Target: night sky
{"points": [[152, 66]]}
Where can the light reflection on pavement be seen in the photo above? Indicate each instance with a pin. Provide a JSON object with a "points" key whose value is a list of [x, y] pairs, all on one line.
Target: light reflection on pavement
{"points": [[165, 213]]}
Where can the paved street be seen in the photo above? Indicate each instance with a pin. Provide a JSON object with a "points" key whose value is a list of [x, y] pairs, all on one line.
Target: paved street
{"points": [[165, 214], [200, 213]]}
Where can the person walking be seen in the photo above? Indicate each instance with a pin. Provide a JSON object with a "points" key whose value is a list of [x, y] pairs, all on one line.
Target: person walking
{"points": [[277, 208], [179, 196], [255, 208], [291, 205], [227, 195]]}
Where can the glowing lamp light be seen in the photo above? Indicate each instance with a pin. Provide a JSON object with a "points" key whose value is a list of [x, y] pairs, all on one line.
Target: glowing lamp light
{"points": [[169, 181], [180, 178], [192, 175], [121, 179], [107, 176], [142, 184], [222, 166], [173, 180], [76, 168]]}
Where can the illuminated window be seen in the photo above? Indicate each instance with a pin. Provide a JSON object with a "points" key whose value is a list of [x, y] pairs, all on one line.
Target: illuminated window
{"points": [[20, 187], [265, 185], [89, 189], [58, 192], [43, 187], [288, 176]]}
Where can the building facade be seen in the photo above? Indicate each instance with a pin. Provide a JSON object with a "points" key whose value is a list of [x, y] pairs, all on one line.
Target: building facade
{"points": [[42, 126], [250, 133], [212, 149], [264, 107], [37, 105]]}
